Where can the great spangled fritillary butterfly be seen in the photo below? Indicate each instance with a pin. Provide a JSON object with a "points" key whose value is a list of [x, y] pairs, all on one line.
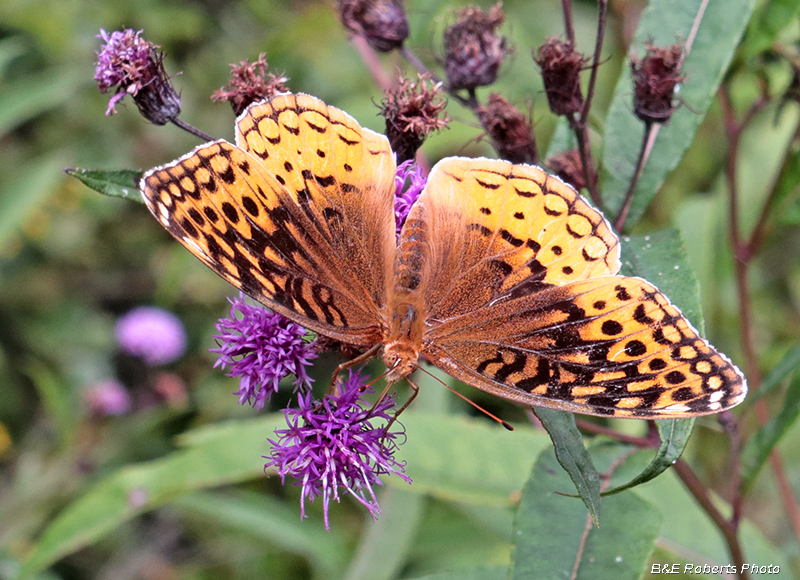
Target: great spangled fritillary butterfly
{"points": [[503, 276]]}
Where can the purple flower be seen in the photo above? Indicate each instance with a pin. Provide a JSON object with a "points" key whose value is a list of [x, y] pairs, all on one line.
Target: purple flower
{"points": [[155, 335], [107, 397], [261, 347], [332, 443], [134, 66], [406, 195]]}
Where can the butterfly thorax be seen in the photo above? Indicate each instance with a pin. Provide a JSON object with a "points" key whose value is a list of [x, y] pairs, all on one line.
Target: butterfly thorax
{"points": [[403, 342]]}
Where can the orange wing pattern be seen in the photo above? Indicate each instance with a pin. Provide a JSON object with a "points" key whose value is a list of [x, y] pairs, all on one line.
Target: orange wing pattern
{"points": [[299, 217]]}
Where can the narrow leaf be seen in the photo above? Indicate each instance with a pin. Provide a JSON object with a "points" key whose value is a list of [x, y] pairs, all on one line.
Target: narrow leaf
{"points": [[663, 23], [572, 456], [384, 545], [122, 183], [674, 435], [758, 448], [787, 365], [266, 518]]}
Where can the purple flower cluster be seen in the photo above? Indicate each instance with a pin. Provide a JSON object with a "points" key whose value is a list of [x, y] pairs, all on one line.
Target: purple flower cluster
{"points": [[134, 66], [153, 334], [333, 443], [261, 347], [410, 182]]}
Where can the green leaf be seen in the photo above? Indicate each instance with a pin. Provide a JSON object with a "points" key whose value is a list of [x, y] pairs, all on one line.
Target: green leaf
{"points": [[482, 573], [26, 98], [122, 183], [555, 538], [573, 456], [660, 258], [226, 453], [770, 20], [232, 452], [384, 546], [442, 453], [663, 23], [758, 448], [263, 517], [35, 182], [674, 435], [787, 365]]}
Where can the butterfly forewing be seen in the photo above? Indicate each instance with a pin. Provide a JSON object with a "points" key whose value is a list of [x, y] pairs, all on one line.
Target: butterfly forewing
{"points": [[286, 231]]}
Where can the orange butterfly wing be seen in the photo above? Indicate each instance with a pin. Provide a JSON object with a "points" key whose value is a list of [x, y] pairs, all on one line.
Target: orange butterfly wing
{"points": [[298, 215], [523, 302]]}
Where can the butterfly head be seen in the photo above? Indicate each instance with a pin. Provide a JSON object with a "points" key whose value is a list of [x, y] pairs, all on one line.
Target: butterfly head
{"points": [[400, 358]]}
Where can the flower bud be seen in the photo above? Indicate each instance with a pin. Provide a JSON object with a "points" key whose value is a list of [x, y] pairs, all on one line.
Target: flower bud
{"points": [[654, 81], [567, 165], [413, 110], [383, 23], [561, 68], [473, 52], [509, 130], [249, 83]]}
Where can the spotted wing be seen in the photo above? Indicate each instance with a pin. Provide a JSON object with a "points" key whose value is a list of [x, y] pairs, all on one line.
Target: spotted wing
{"points": [[522, 301], [299, 215]]}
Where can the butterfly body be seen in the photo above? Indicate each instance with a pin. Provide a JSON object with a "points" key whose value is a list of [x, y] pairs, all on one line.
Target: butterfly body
{"points": [[503, 276]]}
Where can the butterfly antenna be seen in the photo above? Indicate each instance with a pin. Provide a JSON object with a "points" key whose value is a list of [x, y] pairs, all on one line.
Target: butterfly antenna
{"points": [[505, 424]]}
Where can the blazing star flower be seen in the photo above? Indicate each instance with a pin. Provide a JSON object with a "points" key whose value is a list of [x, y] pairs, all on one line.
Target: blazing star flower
{"points": [[134, 66], [332, 443], [406, 195], [155, 335], [261, 347]]}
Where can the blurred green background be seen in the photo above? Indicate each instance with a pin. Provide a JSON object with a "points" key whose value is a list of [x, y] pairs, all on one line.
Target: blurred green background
{"points": [[73, 261]]}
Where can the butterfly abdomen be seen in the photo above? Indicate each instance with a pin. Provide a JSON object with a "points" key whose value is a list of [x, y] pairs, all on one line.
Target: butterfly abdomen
{"points": [[403, 340]]}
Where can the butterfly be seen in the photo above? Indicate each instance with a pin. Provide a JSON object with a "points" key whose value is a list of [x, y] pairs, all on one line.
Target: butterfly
{"points": [[503, 276]]}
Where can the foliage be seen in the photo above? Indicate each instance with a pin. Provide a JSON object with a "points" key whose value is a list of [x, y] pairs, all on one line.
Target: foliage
{"points": [[177, 483]]}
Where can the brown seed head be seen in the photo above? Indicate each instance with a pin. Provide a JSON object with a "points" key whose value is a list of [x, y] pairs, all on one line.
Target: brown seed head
{"points": [[249, 83], [567, 165], [413, 109], [509, 130], [383, 23], [473, 51], [561, 68], [654, 81]]}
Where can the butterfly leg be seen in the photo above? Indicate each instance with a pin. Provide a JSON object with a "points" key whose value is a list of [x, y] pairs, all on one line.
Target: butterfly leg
{"points": [[365, 356]]}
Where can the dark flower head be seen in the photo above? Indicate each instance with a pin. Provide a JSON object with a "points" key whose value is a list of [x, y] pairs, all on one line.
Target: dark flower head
{"points": [[413, 110], [567, 165], [561, 68], [654, 81], [339, 442], [383, 23], [473, 50], [153, 334], [509, 130], [410, 182], [134, 66], [250, 82], [261, 347]]}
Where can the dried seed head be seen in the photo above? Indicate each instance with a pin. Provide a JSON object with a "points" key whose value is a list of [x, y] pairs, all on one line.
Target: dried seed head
{"points": [[561, 68], [473, 50], [654, 81], [383, 23], [568, 166], [249, 83], [509, 130], [413, 109]]}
